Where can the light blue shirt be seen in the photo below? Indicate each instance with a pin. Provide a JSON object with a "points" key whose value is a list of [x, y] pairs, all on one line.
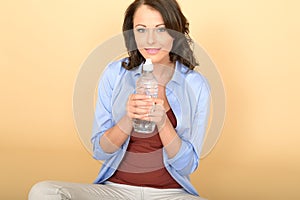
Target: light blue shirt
{"points": [[188, 95]]}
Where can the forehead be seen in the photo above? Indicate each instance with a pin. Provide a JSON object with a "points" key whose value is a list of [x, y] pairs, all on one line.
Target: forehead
{"points": [[147, 16]]}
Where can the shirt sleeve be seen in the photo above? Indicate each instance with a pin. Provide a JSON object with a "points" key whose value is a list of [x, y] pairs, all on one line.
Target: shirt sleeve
{"points": [[186, 160], [103, 119]]}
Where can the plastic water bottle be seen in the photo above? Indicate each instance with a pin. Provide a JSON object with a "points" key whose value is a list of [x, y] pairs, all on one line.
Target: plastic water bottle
{"points": [[146, 84]]}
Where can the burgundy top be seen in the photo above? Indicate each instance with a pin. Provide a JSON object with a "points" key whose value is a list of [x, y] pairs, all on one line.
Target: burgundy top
{"points": [[143, 164]]}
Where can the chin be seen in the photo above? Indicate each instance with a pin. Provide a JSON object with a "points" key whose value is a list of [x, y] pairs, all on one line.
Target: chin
{"points": [[157, 58]]}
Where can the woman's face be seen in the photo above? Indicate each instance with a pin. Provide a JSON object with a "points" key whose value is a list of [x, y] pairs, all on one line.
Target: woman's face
{"points": [[152, 39]]}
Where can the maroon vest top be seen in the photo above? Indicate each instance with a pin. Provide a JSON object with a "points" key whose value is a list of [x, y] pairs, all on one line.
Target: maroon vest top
{"points": [[143, 164]]}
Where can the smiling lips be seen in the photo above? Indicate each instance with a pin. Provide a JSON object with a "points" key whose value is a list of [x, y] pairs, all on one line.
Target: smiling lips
{"points": [[152, 51]]}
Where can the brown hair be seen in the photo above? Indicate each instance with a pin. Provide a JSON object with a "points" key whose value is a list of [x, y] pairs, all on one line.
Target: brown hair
{"points": [[176, 24]]}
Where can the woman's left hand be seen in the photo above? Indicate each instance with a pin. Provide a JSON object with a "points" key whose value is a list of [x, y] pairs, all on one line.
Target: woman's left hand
{"points": [[158, 113]]}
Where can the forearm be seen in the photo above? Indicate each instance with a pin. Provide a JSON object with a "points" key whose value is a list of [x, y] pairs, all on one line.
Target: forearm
{"points": [[115, 137], [179, 153], [170, 139]]}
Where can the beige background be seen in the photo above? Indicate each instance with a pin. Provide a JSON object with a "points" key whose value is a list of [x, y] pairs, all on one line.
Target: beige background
{"points": [[253, 43]]}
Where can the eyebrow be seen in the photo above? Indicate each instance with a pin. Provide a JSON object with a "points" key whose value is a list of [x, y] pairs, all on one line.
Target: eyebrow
{"points": [[146, 26]]}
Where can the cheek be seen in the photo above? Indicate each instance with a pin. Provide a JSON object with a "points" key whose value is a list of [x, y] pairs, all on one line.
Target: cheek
{"points": [[167, 44], [140, 40]]}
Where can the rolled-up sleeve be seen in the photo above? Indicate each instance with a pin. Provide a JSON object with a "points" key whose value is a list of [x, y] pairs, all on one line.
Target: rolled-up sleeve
{"points": [[183, 161], [187, 158], [103, 113]]}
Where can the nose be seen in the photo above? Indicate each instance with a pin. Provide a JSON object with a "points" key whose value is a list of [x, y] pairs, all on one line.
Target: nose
{"points": [[151, 38]]}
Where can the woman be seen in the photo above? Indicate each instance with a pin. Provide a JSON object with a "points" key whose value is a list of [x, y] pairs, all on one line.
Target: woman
{"points": [[155, 165]]}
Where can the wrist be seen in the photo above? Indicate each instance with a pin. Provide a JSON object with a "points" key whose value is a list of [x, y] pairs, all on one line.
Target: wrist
{"points": [[162, 123], [125, 125]]}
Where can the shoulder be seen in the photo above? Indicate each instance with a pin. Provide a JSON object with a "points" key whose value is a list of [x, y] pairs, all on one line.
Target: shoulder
{"points": [[112, 71], [115, 67], [193, 78]]}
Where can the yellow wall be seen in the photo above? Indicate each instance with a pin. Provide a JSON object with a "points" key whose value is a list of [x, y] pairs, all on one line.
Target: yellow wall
{"points": [[253, 43]]}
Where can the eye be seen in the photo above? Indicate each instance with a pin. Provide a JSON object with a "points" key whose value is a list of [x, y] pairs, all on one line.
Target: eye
{"points": [[161, 29], [141, 30]]}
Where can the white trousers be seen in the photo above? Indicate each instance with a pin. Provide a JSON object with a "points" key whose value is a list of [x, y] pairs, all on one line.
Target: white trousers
{"points": [[55, 190]]}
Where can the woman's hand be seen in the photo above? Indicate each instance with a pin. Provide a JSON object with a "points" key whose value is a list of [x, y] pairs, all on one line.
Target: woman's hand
{"points": [[158, 113], [143, 107], [139, 106]]}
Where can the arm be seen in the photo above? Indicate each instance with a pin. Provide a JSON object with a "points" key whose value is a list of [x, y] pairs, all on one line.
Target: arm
{"points": [[103, 119], [169, 138], [138, 106], [187, 159], [115, 137], [182, 151], [107, 136]]}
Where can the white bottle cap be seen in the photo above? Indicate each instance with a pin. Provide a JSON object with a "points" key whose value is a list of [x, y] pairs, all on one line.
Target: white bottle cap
{"points": [[148, 66]]}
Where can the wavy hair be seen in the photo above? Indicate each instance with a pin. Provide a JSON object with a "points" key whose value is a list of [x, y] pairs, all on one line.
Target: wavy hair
{"points": [[176, 24]]}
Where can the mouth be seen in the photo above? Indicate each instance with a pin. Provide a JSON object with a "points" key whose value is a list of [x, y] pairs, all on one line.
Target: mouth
{"points": [[152, 51]]}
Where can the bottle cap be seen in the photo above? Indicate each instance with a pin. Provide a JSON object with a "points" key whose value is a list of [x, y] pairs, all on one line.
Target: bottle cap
{"points": [[148, 66]]}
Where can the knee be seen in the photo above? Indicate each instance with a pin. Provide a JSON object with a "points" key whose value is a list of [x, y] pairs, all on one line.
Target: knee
{"points": [[40, 190]]}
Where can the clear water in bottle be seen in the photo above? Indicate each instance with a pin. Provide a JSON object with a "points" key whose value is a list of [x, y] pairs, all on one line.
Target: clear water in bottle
{"points": [[146, 84]]}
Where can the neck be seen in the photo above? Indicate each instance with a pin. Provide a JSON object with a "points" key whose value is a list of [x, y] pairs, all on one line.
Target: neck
{"points": [[163, 73]]}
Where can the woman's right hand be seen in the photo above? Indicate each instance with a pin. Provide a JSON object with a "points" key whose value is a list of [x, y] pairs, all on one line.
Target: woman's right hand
{"points": [[139, 106]]}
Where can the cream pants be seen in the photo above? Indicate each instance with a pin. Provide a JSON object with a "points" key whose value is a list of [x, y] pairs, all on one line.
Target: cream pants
{"points": [[55, 190]]}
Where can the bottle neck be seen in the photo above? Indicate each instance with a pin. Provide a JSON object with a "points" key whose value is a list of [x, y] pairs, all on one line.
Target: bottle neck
{"points": [[147, 72]]}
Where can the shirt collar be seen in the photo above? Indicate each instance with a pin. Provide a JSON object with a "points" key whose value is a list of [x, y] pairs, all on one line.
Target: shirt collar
{"points": [[180, 71], [138, 70]]}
